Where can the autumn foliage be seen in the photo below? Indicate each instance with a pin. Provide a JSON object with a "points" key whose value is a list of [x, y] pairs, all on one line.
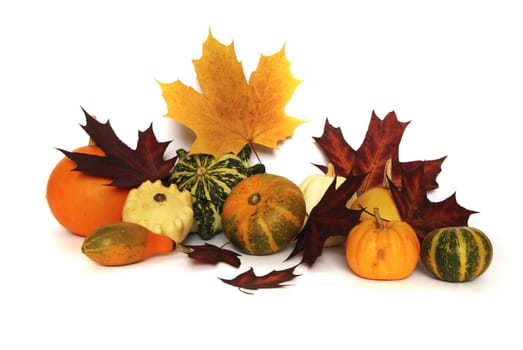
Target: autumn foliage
{"points": [[126, 167], [226, 113], [410, 181], [230, 108]]}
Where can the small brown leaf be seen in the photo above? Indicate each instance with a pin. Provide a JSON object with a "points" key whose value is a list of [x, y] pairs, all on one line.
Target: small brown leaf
{"points": [[211, 254], [273, 279]]}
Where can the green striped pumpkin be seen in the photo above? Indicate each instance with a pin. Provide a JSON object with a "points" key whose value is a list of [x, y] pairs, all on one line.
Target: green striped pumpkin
{"points": [[263, 214], [210, 181], [456, 254]]}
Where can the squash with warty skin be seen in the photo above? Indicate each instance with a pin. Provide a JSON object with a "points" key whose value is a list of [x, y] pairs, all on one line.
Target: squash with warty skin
{"points": [[210, 181], [160, 209], [456, 254]]}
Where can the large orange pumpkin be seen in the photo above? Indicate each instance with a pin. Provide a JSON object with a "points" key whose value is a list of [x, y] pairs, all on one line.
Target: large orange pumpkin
{"points": [[382, 250], [81, 202], [263, 214]]}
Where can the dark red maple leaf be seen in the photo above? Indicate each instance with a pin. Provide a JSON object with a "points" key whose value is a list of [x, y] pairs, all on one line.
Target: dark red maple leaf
{"points": [[422, 214], [273, 279], [380, 144], [338, 151], [431, 169], [127, 168], [330, 217], [211, 254]]}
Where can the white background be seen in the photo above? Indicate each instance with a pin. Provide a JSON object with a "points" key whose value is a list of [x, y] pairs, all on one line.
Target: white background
{"points": [[452, 68]]}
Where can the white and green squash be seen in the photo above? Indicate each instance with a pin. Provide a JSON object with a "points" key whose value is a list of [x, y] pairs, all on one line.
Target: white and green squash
{"points": [[456, 254], [210, 181]]}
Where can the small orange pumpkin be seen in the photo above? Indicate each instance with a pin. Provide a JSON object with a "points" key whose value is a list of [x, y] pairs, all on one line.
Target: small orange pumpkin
{"points": [[263, 214], [382, 250]]}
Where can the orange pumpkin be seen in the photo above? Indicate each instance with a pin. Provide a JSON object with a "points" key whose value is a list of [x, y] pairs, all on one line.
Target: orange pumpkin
{"points": [[263, 214], [382, 250], [82, 202]]}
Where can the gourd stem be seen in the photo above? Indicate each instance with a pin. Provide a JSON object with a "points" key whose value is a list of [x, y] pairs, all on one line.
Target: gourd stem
{"points": [[363, 209], [377, 216], [160, 197], [254, 199], [201, 171], [183, 249]]}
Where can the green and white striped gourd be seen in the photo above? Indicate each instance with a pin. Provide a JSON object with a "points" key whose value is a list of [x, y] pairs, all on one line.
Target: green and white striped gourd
{"points": [[210, 181], [456, 254]]}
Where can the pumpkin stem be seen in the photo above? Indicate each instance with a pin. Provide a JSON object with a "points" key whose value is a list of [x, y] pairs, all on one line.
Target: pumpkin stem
{"points": [[363, 209], [379, 221], [201, 171], [254, 198]]}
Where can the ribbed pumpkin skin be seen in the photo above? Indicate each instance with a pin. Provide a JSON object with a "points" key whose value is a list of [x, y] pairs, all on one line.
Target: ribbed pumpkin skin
{"points": [[456, 254], [391, 253], [210, 181], [263, 214]]}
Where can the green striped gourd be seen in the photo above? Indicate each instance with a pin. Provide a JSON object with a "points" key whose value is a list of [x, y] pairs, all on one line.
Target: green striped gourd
{"points": [[456, 254], [210, 181], [263, 214]]}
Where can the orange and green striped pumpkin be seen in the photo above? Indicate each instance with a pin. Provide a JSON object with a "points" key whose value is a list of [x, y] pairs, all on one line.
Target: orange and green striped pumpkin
{"points": [[456, 254], [263, 214]]}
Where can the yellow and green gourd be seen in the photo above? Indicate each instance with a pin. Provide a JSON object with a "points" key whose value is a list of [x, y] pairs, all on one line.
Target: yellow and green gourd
{"points": [[456, 254]]}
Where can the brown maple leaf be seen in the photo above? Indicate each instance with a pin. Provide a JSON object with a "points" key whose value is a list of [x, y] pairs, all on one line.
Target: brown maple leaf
{"points": [[273, 279], [431, 169], [422, 214], [330, 217], [127, 168], [381, 144], [231, 112], [211, 254]]}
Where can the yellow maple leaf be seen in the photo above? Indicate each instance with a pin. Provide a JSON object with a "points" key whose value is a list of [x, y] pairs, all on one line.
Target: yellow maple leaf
{"points": [[231, 112]]}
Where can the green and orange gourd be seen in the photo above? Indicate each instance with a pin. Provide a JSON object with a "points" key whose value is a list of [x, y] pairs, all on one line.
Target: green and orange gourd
{"points": [[263, 214], [210, 180], [456, 254], [124, 243]]}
